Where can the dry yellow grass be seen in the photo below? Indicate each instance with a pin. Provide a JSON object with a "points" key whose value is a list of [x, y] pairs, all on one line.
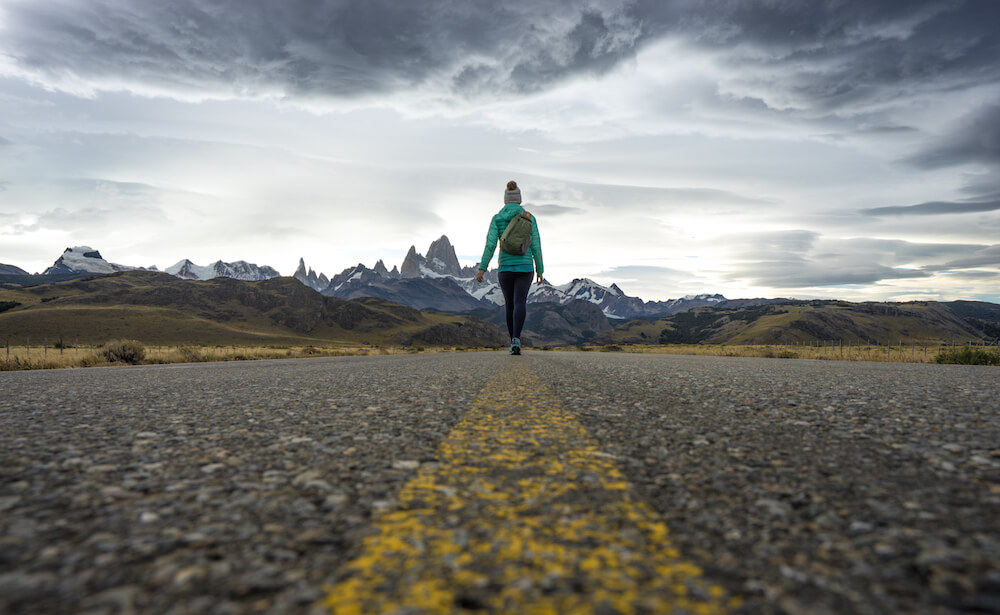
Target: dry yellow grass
{"points": [[49, 357], [906, 353]]}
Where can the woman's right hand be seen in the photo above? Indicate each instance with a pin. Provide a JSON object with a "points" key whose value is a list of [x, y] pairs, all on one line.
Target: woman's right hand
{"points": [[479, 275]]}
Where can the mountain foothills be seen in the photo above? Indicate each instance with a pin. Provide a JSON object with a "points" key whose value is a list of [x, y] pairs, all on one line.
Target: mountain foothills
{"points": [[84, 295], [158, 308]]}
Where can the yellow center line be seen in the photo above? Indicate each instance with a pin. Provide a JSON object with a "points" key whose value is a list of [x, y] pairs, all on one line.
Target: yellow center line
{"points": [[522, 514]]}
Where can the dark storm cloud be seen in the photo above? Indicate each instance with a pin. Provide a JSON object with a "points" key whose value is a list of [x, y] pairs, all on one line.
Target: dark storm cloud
{"points": [[340, 48], [844, 51], [988, 256], [831, 55], [933, 208], [975, 139]]}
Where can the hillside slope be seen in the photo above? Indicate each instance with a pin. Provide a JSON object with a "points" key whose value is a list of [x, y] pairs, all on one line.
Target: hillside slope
{"points": [[157, 308], [804, 321]]}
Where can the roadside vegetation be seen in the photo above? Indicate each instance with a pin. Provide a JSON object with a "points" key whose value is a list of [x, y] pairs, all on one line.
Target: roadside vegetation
{"points": [[829, 351], [131, 352], [969, 356]]}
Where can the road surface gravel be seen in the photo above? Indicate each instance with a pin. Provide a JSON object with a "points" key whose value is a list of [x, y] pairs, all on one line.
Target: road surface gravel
{"points": [[799, 486]]}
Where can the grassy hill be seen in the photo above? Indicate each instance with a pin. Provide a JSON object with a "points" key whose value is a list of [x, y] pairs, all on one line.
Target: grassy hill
{"points": [[808, 321], [158, 308]]}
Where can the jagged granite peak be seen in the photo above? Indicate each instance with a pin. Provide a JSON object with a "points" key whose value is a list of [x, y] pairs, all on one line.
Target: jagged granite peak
{"points": [[385, 273], [309, 277], [83, 259], [411, 264], [442, 263], [441, 258]]}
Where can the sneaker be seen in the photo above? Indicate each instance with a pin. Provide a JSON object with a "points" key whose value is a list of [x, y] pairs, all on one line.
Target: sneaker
{"points": [[515, 346]]}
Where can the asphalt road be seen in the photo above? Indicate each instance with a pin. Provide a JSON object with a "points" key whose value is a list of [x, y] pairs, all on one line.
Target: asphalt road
{"points": [[480, 482]]}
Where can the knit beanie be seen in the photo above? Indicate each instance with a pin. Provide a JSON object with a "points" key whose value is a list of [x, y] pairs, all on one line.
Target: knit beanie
{"points": [[512, 196]]}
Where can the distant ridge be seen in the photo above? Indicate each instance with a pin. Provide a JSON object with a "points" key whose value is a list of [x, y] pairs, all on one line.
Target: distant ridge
{"points": [[239, 270], [789, 321], [11, 270]]}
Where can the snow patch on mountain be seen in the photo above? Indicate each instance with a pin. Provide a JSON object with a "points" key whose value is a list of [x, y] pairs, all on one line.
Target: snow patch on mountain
{"points": [[239, 270], [84, 259]]}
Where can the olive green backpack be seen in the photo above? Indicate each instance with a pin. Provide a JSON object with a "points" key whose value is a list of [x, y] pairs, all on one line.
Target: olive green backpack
{"points": [[516, 238]]}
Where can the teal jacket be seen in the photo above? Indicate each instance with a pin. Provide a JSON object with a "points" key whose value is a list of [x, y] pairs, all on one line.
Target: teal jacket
{"points": [[512, 262]]}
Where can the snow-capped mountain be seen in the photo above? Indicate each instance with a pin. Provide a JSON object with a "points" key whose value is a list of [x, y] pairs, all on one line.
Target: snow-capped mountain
{"points": [[437, 281], [240, 270], [84, 259], [441, 266]]}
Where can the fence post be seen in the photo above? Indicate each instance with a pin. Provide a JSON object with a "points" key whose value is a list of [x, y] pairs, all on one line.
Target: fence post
{"points": [[27, 345]]}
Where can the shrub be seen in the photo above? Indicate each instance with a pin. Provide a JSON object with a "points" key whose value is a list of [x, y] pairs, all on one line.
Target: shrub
{"points": [[969, 356], [123, 351], [17, 363]]}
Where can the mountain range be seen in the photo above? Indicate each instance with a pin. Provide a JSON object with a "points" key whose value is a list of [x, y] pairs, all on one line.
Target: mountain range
{"points": [[581, 312], [436, 281]]}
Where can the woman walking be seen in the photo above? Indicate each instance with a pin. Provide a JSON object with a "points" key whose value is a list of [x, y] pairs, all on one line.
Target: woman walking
{"points": [[516, 269]]}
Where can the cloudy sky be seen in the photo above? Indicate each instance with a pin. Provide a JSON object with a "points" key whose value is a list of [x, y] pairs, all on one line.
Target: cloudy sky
{"points": [[837, 148]]}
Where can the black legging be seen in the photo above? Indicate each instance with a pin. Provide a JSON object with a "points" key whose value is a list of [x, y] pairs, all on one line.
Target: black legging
{"points": [[515, 286]]}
